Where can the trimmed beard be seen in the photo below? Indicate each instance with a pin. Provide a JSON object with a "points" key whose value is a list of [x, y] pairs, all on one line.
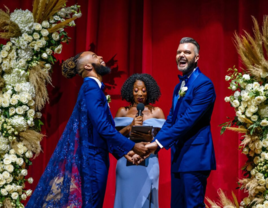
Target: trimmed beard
{"points": [[191, 66], [101, 70]]}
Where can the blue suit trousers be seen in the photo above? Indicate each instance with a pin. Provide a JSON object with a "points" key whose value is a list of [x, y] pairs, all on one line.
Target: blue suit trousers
{"points": [[188, 189]]}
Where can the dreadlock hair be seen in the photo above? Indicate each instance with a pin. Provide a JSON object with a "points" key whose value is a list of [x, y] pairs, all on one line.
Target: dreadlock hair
{"points": [[72, 66], [153, 90]]}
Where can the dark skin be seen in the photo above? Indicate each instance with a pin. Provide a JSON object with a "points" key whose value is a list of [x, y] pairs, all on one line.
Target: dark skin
{"points": [[140, 96]]}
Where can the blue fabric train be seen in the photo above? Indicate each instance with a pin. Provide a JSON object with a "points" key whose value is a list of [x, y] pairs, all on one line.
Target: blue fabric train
{"points": [[77, 172]]}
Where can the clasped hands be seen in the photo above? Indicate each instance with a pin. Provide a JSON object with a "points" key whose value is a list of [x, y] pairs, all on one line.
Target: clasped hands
{"points": [[140, 152]]}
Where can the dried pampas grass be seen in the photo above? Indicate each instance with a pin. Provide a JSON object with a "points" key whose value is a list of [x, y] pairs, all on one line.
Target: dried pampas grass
{"points": [[224, 201], [31, 139], [8, 29], [44, 9], [38, 78], [251, 50], [61, 25]]}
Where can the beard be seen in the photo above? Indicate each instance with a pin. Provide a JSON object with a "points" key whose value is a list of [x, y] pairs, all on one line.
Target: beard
{"points": [[101, 70], [190, 66]]}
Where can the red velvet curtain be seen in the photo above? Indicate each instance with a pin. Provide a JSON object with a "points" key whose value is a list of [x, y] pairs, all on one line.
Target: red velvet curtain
{"points": [[141, 36]]}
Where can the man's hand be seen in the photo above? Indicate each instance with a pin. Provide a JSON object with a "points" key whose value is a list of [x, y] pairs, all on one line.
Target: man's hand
{"points": [[129, 156], [140, 149], [151, 148]]}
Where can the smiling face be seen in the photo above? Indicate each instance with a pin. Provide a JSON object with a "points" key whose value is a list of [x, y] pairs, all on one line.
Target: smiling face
{"points": [[186, 57], [139, 92]]}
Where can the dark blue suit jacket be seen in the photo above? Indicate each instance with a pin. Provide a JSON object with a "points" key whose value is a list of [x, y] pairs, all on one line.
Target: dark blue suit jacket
{"points": [[102, 133], [187, 128]]}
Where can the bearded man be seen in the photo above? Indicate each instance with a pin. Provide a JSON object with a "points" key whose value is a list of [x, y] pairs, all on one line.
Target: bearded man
{"points": [[187, 130], [77, 172]]}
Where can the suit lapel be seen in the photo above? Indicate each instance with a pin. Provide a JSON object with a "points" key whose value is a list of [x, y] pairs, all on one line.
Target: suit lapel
{"points": [[189, 84]]}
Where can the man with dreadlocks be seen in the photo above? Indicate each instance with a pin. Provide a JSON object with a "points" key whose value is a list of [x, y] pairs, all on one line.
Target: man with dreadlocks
{"points": [[77, 171]]}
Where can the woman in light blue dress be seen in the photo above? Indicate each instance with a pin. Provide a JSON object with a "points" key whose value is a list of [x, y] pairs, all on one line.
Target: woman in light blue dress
{"points": [[137, 185]]}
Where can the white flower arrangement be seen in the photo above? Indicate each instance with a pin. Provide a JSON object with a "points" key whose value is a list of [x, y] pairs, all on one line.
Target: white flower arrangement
{"points": [[36, 46]]}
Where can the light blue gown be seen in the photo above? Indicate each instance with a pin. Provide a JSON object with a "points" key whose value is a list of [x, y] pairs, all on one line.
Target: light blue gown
{"points": [[137, 186]]}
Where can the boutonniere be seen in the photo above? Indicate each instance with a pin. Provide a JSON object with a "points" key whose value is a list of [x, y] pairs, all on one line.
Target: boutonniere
{"points": [[182, 91], [109, 99]]}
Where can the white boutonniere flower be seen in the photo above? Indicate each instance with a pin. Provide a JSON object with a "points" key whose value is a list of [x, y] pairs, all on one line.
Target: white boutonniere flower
{"points": [[182, 91], [108, 98]]}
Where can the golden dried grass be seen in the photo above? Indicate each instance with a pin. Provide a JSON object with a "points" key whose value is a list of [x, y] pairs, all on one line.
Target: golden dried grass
{"points": [[39, 78], [8, 28], [58, 4], [240, 130], [31, 139]]}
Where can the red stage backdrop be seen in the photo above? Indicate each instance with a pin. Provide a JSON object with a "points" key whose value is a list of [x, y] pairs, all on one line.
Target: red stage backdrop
{"points": [[142, 36]]}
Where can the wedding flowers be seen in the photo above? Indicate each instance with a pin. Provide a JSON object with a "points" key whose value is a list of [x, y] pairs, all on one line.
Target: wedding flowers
{"points": [[182, 92]]}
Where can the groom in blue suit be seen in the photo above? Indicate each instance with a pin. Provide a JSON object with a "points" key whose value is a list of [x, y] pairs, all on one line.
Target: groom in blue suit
{"points": [[187, 130]]}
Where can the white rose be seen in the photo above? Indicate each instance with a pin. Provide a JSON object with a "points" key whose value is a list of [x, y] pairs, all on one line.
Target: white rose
{"points": [[31, 113], [254, 118], [37, 26], [234, 87], [259, 99], [44, 56], [235, 103], [48, 66], [6, 174], [38, 115], [253, 172], [253, 109], [245, 97], [30, 180], [23, 196], [48, 51], [31, 103], [17, 88], [23, 99], [13, 101], [24, 172], [259, 176], [36, 36], [5, 65], [45, 24], [39, 44], [265, 143], [55, 36], [4, 54], [266, 86], [2, 181], [4, 192], [29, 154], [245, 150], [244, 104], [59, 49], [249, 87], [9, 180], [265, 204], [248, 113], [256, 85], [44, 32], [264, 123], [13, 157], [264, 74], [236, 94], [29, 192], [9, 168], [20, 161], [25, 107], [259, 206], [14, 195], [19, 110], [241, 109], [12, 151], [227, 99], [78, 15], [7, 161], [246, 76]]}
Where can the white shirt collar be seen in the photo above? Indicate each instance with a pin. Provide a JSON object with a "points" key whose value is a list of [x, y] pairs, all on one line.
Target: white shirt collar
{"points": [[98, 81]]}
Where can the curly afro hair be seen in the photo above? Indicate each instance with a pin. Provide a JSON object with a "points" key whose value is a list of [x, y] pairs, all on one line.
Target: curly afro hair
{"points": [[153, 90]]}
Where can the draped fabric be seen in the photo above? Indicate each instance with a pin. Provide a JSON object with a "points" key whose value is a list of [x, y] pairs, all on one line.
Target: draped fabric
{"points": [[142, 36]]}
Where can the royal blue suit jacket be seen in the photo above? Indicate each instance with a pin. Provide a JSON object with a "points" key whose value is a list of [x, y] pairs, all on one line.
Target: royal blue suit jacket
{"points": [[102, 132], [187, 128]]}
